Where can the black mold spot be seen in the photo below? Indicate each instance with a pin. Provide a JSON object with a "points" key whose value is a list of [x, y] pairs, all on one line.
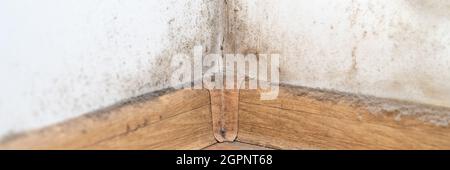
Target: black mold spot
{"points": [[223, 132]]}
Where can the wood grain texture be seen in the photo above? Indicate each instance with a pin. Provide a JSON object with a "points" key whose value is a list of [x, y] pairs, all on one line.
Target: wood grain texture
{"points": [[224, 109], [235, 146], [120, 119], [309, 119], [190, 130], [300, 118]]}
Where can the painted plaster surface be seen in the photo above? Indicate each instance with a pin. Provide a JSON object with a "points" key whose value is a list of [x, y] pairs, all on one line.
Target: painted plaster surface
{"points": [[60, 59], [396, 49]]}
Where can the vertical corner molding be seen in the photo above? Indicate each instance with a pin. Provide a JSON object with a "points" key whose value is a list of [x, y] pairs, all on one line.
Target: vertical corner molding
{"points": [[224, 110], [224, 102]]}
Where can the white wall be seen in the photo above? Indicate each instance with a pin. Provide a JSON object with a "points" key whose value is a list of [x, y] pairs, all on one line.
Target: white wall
{"points": [[387, 48], [60, 59]]}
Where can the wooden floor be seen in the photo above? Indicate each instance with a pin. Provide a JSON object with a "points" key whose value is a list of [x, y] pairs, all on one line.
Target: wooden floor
{"points": [[235, 146], [300, 118]]}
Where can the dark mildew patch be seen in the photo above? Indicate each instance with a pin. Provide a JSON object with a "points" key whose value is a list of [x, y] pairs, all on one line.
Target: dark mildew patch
{"points": [[431, 7], [435, 115], [103, 113], [100, 114], [11, 136]]}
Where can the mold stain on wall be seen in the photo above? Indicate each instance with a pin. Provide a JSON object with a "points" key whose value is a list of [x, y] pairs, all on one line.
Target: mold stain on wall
{"points": [[390, 48], [86, 55]]}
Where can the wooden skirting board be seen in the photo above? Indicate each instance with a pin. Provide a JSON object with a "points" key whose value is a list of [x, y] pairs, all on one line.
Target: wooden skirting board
{"points": [[224, 110], [168, 119], [235, 146], [300, 118], [303, 118]]}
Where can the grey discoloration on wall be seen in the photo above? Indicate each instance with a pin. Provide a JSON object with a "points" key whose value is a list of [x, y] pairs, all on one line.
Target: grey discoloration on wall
{"points": [[387, 49], [437, 8], [390, 49], [63, 59], [101, 114], [437, 116]]}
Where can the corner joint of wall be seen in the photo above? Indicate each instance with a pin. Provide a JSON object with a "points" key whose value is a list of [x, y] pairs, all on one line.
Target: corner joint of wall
{"points": [[224, 111]]}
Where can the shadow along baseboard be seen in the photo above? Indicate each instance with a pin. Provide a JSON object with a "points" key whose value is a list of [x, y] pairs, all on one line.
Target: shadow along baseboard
{"points": [[300, 118]]}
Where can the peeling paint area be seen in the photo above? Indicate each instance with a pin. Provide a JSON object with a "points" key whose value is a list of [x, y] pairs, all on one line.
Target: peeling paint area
{"points": [[389, 48], [60, 59]]}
